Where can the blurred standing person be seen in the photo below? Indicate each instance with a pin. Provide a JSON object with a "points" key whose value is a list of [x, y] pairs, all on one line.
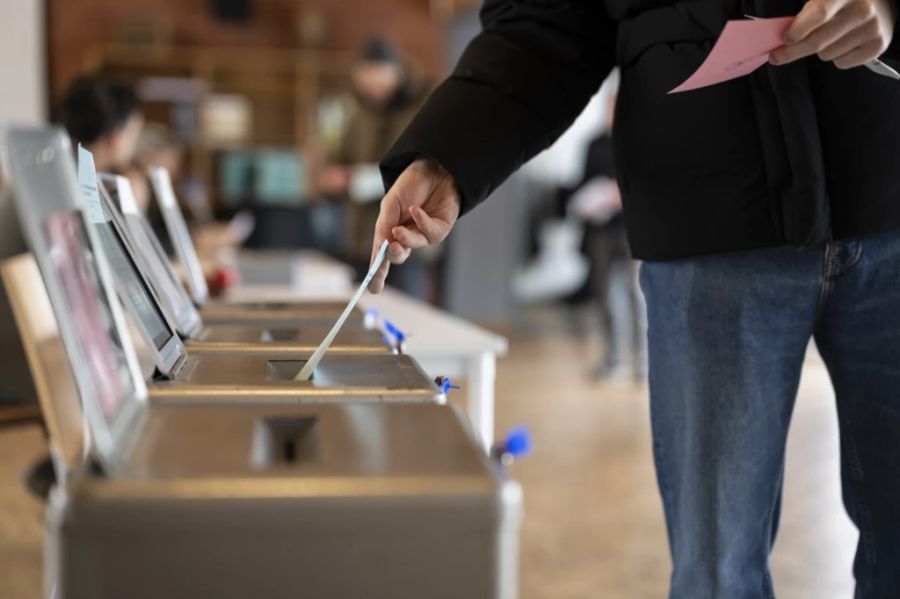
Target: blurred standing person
{"points": [[386, 96], [765, 210], [598, 202]]}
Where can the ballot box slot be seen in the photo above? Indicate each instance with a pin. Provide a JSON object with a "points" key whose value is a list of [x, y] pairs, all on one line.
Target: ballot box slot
{"points": [[283, 370], [279, 335], [285, 441]]}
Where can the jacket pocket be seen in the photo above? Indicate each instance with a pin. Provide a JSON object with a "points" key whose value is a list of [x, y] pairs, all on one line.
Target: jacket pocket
{"points": [[707, 137]]}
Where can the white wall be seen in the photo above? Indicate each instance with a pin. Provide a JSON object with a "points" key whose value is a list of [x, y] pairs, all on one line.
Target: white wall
{"points": [[21, 102], [22, 77]]}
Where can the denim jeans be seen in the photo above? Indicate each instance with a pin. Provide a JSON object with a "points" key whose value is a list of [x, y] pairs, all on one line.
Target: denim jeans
{"points": [[727, 337]]}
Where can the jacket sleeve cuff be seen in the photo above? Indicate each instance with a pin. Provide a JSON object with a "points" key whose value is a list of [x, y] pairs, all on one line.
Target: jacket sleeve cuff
{"points": [[459, 120]]}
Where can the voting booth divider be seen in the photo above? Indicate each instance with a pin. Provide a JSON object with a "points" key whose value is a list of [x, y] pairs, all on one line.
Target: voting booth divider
{"points": [[217, 474]]}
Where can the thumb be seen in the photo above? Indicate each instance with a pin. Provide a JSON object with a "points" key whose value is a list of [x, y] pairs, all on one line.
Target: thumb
{"points": [[376, 284], [433, 229]]}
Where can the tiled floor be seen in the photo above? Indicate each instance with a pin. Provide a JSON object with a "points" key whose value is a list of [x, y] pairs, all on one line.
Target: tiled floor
{"points": [[593, 527]]}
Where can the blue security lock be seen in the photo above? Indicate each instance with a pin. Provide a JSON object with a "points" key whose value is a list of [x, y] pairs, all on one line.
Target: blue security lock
{"points": [[399, 335], [394, 337], [445, 384], [516, 444]]}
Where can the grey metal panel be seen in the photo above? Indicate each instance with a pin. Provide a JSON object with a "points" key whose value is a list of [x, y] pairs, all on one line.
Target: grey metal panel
{"points": [[152, 259], [398, 503], [353, 444]]}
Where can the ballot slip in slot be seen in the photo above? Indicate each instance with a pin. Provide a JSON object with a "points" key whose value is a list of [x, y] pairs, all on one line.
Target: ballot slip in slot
{"points": [[306, 372]]}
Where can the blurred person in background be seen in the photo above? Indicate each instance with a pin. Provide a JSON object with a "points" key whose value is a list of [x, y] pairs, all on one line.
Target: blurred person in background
{"points": [[105, 118], [386, 95], [598, 203], [765, 210]]}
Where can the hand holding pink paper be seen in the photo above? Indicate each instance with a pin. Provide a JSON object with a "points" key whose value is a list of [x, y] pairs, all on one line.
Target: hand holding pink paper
{"points": [[743, 47]]}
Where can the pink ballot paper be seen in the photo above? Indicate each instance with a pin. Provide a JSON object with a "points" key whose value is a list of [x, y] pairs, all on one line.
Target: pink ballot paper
{"points": [[743, 47]]}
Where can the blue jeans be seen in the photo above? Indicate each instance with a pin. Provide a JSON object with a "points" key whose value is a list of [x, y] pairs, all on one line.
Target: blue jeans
{"points": [[727, 337]]}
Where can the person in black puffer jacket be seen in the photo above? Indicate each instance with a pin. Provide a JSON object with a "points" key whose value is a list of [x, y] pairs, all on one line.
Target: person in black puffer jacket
{"points": [[766, 210]]}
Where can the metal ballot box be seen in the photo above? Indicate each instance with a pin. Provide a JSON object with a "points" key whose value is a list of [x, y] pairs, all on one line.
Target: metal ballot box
{"points": [[328, 502], [371, 500], [337, 500]]}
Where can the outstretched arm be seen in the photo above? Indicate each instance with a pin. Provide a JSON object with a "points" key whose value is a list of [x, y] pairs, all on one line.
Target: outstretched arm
{"points": [[518, 86]]}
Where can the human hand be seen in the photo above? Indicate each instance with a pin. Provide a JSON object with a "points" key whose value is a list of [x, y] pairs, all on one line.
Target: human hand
{"points": [[848, 33], [418, 210]]}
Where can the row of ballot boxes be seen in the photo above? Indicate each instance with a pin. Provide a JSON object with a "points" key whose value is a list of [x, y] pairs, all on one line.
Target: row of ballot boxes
{"points": [[206, 469]]}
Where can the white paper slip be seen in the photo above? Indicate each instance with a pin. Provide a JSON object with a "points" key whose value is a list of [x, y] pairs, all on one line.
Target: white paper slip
{"points": [[87, 179], [310, 366], [876, 66]]}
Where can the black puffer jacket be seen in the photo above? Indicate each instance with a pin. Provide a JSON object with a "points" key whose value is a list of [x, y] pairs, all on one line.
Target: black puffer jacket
{"points": [[790, 155]]}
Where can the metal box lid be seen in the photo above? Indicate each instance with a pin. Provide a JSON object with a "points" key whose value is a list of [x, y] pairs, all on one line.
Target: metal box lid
{"points": [[288, 339], [340, 377], [305, 451]]}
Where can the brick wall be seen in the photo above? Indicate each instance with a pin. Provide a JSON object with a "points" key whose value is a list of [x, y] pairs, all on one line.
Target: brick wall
{"points": [[75, 25]]}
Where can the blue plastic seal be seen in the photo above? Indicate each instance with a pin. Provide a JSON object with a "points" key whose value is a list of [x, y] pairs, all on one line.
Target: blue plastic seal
{"points": [[399, 335], [445, 384], [518, 442]]}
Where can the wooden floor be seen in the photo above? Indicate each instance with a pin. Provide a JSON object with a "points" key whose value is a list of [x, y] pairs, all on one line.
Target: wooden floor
{"points": [[593, 527]]}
